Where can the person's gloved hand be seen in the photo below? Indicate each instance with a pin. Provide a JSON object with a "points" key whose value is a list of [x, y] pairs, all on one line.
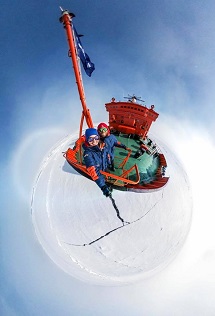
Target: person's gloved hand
{"points": [[106, 190]]}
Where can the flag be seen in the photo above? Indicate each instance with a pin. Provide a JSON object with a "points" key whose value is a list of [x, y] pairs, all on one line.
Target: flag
{"points": [[85, 59]]}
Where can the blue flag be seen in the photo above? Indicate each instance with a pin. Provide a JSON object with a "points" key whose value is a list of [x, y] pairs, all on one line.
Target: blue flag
{"points": [[85, 59]]}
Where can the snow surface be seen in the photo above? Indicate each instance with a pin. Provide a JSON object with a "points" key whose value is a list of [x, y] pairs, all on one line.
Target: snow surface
{"points": [[69, 209]]}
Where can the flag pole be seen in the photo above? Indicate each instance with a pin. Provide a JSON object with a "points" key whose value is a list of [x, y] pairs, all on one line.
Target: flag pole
{"points": [[66, 19]]}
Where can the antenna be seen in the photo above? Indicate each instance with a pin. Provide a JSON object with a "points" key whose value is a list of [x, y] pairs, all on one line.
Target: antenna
{"points": [[133, 98]]}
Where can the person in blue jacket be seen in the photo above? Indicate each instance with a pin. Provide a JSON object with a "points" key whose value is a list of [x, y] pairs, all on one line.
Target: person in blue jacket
{"points": [[111, 141], [96, 158]]}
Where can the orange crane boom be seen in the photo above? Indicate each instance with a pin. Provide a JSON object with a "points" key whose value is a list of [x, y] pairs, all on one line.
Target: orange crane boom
{"points": [[66, 19]]}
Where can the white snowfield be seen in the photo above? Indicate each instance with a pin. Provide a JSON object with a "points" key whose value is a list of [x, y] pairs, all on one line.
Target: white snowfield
{"points": [[80, 231]]}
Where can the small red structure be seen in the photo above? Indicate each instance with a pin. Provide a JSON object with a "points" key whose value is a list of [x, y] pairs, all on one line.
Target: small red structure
{"points": [[130, 118]]}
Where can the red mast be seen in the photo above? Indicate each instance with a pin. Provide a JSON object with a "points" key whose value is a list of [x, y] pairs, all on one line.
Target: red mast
{"points": [[66, 19]]}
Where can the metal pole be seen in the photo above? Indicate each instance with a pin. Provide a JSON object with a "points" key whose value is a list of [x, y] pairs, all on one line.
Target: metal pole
{"points": [[66, 19]]}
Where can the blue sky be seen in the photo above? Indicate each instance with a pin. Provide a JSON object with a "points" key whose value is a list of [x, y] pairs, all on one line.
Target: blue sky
{"points": [[162, 51]]}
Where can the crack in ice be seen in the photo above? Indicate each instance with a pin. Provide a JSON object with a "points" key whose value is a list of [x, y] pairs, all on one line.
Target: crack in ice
{"points": [[113, 230]]}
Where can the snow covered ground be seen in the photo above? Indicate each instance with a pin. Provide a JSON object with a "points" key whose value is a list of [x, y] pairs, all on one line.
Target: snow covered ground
{"points": [[69, 210]]}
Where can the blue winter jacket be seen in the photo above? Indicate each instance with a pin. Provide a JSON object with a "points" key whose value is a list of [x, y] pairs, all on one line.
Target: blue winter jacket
{"points": [[112, 142], [96, 159]]}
